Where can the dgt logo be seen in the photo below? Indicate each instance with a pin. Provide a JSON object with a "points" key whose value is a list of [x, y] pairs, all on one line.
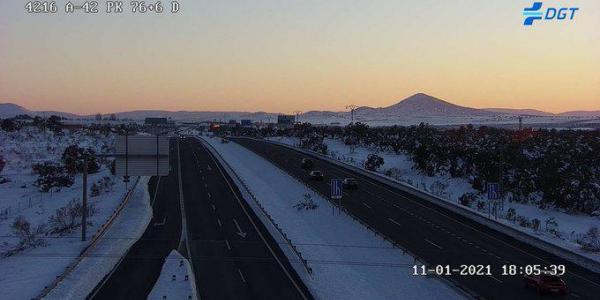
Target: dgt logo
{"points": [[551, 13]]}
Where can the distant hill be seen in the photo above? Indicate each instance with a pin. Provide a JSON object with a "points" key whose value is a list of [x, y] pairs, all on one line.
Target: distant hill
{"points": [[514, 111], [197, 115], [11, 110], [423, 105], [418, 106], [8, 110], [581, 113]]}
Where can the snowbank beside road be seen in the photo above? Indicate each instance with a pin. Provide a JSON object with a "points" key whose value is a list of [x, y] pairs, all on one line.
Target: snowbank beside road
{"points": [[126, 229], [347, 260], [176, 280]]}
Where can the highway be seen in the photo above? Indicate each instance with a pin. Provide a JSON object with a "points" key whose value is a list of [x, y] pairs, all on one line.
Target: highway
{"points": [[232, 254], [435, 234], [136, 274]]}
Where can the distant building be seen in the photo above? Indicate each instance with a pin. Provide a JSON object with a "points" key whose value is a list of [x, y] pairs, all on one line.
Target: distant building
{"points": [[232, 122], [286, 119], [246, 122], [156, 121]]}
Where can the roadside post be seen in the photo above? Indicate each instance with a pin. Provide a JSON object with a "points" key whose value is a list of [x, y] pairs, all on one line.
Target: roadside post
{"points": [[493, 194], [337, 190]]}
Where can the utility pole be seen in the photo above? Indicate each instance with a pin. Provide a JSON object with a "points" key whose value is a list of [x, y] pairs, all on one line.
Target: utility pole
{"points": [[297, 113], [520, 123], [84, 208], [352, 108]]}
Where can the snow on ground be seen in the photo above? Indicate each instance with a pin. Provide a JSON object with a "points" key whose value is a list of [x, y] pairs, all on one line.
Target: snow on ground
{"points": [[348, 260], [173, 282], [127, 228], [344, 119], [36, 268], [450, 189]]}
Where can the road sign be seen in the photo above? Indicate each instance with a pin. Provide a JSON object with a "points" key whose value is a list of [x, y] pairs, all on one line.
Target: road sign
{"points": [[142, 156], [493, 191], [336, 189]]}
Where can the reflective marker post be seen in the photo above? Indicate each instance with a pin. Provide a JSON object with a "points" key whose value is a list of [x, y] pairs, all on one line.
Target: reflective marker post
{"points": [[337, 190]]}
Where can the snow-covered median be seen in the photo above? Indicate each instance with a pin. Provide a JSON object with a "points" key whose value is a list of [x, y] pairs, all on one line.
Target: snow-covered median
{"points": [[348, 261], [176, 280], [399, 167]]}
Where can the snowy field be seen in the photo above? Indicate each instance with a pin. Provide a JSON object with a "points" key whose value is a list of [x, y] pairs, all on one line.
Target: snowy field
{"points": [[176, 279], [344, 119], [348, 261], [25, 273], [400, 167]]}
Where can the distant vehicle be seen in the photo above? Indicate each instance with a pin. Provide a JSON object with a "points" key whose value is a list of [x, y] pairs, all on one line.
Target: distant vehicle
{"points": [[546, 283], [350, 183], [224, 141], [316, 175], [306, 163]]}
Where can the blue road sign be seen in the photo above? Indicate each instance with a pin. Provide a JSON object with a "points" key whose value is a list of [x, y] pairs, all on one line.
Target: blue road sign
{"points": [[493, 191], [336, 189]]}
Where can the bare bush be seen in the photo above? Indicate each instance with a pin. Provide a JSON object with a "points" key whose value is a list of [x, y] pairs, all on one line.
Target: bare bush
{"points": [[307, 203], [466, 199], [590, 241], [68, 218], [28, 236]]}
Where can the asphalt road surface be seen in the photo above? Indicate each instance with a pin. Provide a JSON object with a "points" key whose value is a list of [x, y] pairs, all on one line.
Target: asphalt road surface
{"points": [[233, 255], [437, 235], [137, 273]]}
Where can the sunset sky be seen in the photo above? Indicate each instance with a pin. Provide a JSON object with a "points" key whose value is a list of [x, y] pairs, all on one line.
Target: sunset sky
{"points": [[287, 55]]}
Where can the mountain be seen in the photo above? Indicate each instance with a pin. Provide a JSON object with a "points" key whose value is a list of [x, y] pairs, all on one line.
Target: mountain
{"points": [[581, 114], [514, 111], [423, 105], [197, 115], [8, 110], [418, 107]]}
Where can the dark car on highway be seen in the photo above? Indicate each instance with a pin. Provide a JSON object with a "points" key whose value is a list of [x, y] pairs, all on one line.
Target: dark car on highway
{"points": [[306, 163], [545, 283], [316, 175], [350, 183]]}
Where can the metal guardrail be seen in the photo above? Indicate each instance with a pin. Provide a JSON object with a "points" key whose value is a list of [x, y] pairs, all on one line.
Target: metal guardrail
{"points": [[95, 239], [566, 254], [264, 211]]}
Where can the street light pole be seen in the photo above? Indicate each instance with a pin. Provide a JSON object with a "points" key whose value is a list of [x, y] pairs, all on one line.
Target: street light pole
{"points": [[84, 208]]}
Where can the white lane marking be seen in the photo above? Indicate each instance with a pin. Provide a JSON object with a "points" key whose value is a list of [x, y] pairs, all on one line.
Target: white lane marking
{"points": [[213, 207], [496, 279], [162, 222], [367, 205], [209, 196], [394, 221], [434, 244], [242, 276], [205, 186], [574, 295], [240, 232], [219, 221], [300, 291], [227, 243]]}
